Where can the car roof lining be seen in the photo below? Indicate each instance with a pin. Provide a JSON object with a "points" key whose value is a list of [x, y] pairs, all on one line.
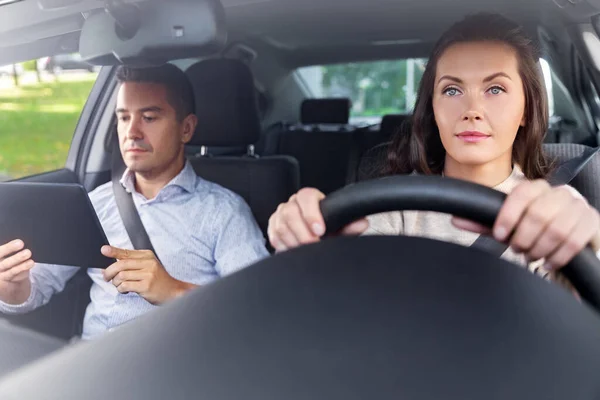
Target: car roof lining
{"points": [[300, 32], [315, 32]]}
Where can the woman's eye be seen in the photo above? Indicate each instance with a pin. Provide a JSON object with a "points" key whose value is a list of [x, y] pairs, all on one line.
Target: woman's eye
{"points": [[451, 92], [496, 90]]}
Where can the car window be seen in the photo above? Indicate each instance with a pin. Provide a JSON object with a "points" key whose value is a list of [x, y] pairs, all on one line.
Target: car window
{"points": [[375, 88], [40, 104]]}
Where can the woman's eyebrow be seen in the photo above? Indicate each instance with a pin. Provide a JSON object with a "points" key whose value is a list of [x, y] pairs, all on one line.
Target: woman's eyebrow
{"points": [[450, 78], [497, 75], [485, 80]]}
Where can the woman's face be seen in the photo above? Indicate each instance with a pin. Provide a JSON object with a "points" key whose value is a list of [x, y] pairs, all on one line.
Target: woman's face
{"points": [[478, 102]]}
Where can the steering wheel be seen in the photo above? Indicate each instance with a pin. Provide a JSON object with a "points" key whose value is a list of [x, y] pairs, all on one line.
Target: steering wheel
{"points": [[352, 318], [451, 196]]}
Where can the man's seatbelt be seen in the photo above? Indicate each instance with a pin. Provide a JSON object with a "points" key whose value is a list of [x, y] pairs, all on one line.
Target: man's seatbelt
{"points": [[129, 214], [562, 175]]}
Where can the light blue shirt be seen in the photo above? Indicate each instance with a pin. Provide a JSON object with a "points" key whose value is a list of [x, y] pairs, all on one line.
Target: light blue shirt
{"points": [[199, 230]]}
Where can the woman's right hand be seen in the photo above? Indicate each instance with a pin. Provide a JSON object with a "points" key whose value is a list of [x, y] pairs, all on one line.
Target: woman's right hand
{"points": [[299, 221]]}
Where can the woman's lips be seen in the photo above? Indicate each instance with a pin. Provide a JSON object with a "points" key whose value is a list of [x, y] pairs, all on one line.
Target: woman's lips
{"points": [[472, 136]]}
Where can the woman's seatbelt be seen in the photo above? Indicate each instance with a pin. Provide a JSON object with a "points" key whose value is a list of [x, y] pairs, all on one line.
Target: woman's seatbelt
{"points": [[562, 175], [568, 170], [129, 214]]}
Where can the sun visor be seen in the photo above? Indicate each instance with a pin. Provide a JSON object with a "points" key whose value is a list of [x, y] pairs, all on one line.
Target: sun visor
{"points": [[153, 32]]}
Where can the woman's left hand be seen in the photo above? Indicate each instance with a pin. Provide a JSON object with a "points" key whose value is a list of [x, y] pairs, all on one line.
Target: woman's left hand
{"points": [[540, 221]]}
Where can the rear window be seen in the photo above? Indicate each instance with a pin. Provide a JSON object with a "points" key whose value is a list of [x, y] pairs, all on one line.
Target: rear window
{"points": [[375, 88], [381, 87]]}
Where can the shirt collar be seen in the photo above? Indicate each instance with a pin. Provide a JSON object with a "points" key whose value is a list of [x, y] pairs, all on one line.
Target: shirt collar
{"points": [[186, 179]]}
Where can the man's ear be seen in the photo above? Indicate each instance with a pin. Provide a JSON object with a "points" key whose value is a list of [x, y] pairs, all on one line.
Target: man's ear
{"points": [[189, 128]]}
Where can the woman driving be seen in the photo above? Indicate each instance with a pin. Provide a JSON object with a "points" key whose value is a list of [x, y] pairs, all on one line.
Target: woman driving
{"points": [[481, 116]]}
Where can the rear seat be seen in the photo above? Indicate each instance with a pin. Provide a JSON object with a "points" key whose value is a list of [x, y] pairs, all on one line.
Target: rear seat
{"points": [[327, 148], [322, 144]]}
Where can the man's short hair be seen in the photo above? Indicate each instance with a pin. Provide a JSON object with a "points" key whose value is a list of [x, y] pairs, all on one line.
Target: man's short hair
{"points": [[180, 94]]}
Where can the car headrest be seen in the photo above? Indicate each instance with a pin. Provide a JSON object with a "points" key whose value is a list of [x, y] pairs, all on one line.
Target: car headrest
{"points": [[391, 123], [325, 111], [226, 103]]}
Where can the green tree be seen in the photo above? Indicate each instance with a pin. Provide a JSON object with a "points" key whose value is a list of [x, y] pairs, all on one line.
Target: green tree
{"points": [[375, 88], [31, 65]]}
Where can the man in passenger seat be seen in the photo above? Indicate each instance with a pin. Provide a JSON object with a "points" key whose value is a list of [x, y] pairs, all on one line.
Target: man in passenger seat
{"points": [[200, 230]]}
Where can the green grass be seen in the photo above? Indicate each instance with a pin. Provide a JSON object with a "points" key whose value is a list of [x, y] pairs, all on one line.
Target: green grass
{"points": [[37, 123]]}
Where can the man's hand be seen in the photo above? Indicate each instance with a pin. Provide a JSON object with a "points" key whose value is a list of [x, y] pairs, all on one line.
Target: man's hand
{"points": [[15, 264], [139, 271]]}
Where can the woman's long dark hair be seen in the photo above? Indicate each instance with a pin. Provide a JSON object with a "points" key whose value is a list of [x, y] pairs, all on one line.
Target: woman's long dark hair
{"points": [[421, 149]]}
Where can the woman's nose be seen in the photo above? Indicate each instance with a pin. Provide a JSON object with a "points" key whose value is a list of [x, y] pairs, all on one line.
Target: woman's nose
{"points": [[474, 109], [472, 115]]}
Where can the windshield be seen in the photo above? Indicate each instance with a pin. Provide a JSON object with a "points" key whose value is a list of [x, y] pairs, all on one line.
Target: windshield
{"points": [[376, 88]]}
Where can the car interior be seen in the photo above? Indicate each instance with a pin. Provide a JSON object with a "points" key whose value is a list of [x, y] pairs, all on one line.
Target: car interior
{"points": [[264, 133]]}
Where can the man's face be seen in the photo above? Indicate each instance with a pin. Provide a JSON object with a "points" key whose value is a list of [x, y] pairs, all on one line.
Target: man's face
{"points": [[151, 137]]}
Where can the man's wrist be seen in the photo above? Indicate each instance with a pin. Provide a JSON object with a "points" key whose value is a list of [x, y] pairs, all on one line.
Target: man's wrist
{"points": [[15, 293], [182, 288]]}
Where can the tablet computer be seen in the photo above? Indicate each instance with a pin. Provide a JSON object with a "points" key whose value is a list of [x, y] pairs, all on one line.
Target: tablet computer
{"points": [[56, 221]]}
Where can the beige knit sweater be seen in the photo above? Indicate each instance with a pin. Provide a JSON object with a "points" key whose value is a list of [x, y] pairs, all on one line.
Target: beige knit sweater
{"points": [[438, 226]]}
